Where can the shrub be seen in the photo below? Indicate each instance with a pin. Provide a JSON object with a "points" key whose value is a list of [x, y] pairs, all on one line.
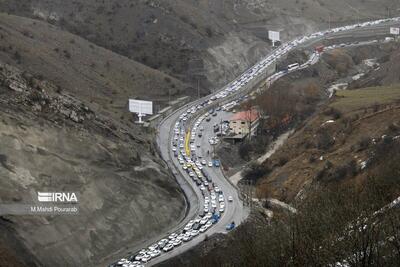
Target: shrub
{"points": [[255, 171], [324, 141], [334, 113]]}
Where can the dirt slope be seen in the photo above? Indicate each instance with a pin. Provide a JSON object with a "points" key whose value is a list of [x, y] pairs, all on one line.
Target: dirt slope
{"points": [[55, 137], [209, 41], [104, 78]]}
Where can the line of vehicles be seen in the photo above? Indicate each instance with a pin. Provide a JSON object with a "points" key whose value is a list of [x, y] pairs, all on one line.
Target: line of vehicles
{"points": [[194, 165]]}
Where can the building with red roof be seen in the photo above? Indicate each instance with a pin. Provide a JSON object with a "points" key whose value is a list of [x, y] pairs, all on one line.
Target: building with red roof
{"points": [[244, 122]]}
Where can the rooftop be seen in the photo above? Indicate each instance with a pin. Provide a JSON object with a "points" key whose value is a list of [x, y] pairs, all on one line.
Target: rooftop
{"points": [[246, 116]]}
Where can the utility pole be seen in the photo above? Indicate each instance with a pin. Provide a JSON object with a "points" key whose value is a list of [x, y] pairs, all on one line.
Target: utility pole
{"points": [[329, 20], [198, 88]]}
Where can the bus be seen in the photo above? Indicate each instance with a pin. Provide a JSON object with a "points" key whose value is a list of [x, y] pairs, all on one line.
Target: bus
{"points": [[293, 66]]}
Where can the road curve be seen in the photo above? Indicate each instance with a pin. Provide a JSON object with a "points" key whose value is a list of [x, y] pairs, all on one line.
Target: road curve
{"points": [[235, 211]]}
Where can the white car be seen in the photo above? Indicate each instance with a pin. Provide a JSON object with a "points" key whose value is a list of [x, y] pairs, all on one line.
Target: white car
{"points": [[203, 221], [146, 258], [203, 229], [122, 261], [188, 226], [168, 247], [187, 238], [210, 164], [180, 237], [172, 236], [176, 242], [140, 256], [194, 233], [204, 162], [155, 253], [230, 198], [153, 247]]}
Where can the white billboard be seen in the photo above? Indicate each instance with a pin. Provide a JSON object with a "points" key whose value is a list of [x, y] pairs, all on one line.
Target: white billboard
{"points": [[141, 107], [394, 31], [274, 36]]}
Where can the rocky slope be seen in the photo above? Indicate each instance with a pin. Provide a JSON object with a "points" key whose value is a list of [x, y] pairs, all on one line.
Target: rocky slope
{"points": [[205, 41], [52, 141]]}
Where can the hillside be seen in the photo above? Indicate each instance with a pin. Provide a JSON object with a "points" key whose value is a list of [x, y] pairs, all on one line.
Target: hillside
{"points": [[65, 127], [319, 150], [101, 78], [67, 69], [206, 41], [334, 146], [338, 171]]}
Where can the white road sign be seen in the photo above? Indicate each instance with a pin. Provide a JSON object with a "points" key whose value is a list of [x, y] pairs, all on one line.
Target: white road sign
{"points": [[274, 36], [394, 31], [141, 107]]}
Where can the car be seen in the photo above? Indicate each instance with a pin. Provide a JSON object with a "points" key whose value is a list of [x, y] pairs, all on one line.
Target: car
{"points": [[176, 242], [162, 243], [139, 256], [187, 237], [204, 221], [153, 247], [196, 226], [230, 198], [203, 229], [172, 236], [188, 227], [221, 209], [216, 163], [155, 253], [180, 237], [230, 226], [194, 233], [168, 247], [210, 164], [122, 261], [204, 162], [146, 258]]}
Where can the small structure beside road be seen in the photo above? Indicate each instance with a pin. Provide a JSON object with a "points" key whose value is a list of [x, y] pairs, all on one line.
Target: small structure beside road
{"points": [[244, 123]]}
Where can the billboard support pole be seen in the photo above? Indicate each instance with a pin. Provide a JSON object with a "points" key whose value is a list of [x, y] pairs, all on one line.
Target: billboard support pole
{"points": [[140, 115]]}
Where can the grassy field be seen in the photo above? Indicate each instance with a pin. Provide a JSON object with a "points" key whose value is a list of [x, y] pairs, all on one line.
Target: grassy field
{"points": [[352, 100]]}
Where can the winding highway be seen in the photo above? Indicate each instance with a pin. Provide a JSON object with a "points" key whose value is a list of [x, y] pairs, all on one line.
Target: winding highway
{"points": [[183, 155]]}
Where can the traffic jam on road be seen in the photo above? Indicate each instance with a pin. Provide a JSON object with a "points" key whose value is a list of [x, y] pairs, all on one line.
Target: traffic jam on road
{"points": [[187, 132]]}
